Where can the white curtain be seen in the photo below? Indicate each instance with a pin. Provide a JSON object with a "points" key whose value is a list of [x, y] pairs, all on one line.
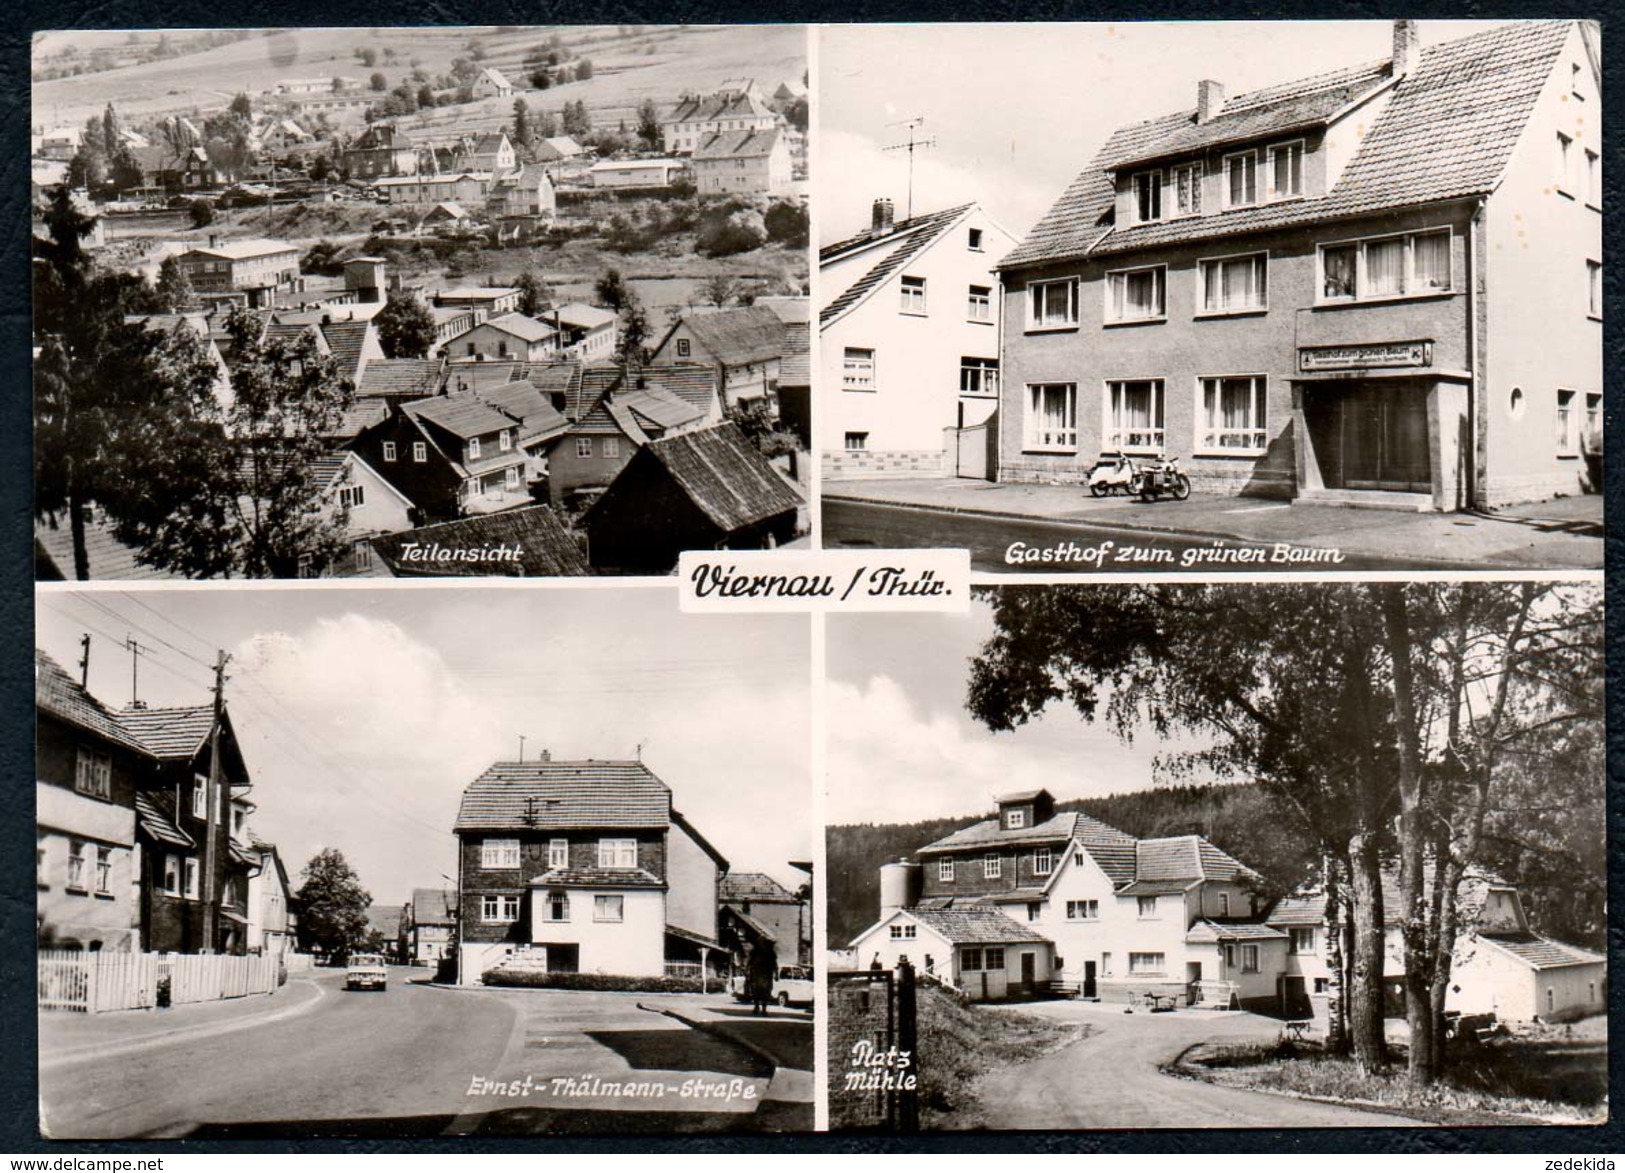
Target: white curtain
{"points": [[1432, 260], [1384, 267]]}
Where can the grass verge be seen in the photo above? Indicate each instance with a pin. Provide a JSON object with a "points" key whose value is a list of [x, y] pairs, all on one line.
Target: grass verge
{"points": [[1545, 1077]]}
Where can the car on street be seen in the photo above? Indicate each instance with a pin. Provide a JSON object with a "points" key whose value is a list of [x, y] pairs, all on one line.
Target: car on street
{"points": [[792, 985], [366, 971]]}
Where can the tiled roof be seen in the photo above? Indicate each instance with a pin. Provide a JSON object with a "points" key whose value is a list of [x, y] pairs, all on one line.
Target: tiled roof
{"points": [[170, 733], [401, 378], [1019, 796], [386, 918], [716, 107], [911, 237], [155, 821], [694, 384], [520, 326], [534, 411], [1541, 952], [692, 937], [108, 557], [1264, 114], [1203, 931], [463, 416], [973, 926], [1447, 133], [1157, 887], [722, 473], [242, 250], [736, 336], [598, 878], [546, 548], [1186, 857], [757, 928], [549, 795], [737, 887], [991, 833], [325, 469], [1298, 910], [345, 341], [434, 906], [583, 316], [737, 144], [359, 416], [59, 694], [657, 409], [795, 367]]}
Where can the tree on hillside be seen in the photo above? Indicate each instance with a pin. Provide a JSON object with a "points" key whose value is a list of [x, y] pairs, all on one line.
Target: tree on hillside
{"points": [[88, 167], [174, 287], [576, 119], [521, 125], [584, 69], [332, 905], [367, 57], [223, 489], [405, 327], [719, 289], [649, 124], [534, 293], [378, 83], [1383, 716], [242, 106], [547, 125], [632, 345], [612, 290], [98, 378]]}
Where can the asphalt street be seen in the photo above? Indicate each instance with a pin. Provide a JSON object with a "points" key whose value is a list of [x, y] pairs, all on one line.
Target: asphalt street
{"points": [[415, 1060]]}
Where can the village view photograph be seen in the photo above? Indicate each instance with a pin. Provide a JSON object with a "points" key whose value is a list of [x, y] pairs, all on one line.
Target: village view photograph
{"points": [[1259, 296], [383, 863], [1214, 856], [390, 302]]}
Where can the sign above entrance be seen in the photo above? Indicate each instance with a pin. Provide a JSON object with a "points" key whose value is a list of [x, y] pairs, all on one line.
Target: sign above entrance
{"points": [[1365, 356]]}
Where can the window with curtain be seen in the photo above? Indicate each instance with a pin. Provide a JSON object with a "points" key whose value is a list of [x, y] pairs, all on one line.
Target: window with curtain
{"points": [[1052, 304], [1286, 171], [1136, 295], [1188, 190], [1230, 417], [1409, 265], [1241, 179], [1134, 415], [1234, 284], [1148, 196], [1052, 416]]}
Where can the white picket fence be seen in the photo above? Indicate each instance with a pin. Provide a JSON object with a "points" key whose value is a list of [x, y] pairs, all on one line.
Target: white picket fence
{"points": [[90, 983]]}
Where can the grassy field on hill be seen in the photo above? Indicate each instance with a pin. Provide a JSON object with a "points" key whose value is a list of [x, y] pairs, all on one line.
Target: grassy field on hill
{"points": [[630, 63]]}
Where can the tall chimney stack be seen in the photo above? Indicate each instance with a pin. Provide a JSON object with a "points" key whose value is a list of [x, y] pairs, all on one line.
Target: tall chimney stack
{"points": [[1407, 47], [884, 217], [1209, 100]]}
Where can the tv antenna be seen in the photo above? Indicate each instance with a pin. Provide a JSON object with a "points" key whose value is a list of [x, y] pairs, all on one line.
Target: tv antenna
{"points": [[913, 144]]}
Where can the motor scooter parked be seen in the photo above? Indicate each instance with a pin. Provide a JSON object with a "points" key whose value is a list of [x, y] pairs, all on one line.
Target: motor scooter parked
{"points": [[1160, 476], [1113, 473]]}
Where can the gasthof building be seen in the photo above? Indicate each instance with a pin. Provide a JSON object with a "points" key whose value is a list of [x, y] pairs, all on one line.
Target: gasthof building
{"points": [[1380, 285]]}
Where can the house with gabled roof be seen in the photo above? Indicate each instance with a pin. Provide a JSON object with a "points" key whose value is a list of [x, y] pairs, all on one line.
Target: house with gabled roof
{"points": [[382, 151], [1102, 914], [704, 489], [491, 83], [583, 867], [744, 345], [195, 875], [742, 162], [696, 116], [87, 775], [510, 335], [756, 908], [429, 926], [1501, 964], [1377, 286], [371, 505], [909, 340]]}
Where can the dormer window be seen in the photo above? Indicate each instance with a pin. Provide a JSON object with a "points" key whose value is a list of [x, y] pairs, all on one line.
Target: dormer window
{"points": [[1015, 818], [505, 440], [1148, 196], [1188, 190], [1241, 180], [474, 448], [1286, 171]]}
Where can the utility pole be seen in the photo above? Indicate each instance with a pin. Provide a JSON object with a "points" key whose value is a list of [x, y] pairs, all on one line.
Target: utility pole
{"points": [[84, 660], [212, 814], [911, 146], [521, 748], [136, 652]]}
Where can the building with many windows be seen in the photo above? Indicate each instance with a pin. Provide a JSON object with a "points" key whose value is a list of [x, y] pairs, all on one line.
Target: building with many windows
{"points": [[582, 867], [1379, 285], [909, 340]]}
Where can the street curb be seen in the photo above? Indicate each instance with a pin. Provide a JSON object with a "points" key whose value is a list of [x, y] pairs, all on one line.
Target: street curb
{"points": [[709, 1029], [1433, 561], [66, 1058]]}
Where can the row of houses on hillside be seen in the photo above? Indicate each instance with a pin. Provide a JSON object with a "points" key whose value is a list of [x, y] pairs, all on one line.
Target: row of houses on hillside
{"points": [[1034, 900], [1380, 285], [592, 465], [589, 867], [144, 840]]}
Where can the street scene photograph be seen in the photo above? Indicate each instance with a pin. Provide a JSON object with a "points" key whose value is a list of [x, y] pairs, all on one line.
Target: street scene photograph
{"points": [[419, 301], [1214, 856], [393, 864], [1263, 296]]}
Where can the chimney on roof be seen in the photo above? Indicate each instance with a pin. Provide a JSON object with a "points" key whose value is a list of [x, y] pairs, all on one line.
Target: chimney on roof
{"points": [[1209, 100], [884, 217], [1407, 47], [546, 755]]}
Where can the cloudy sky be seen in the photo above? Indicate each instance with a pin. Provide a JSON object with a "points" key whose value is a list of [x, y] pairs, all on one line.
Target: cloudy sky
{"points": [[1018, 110], [902, 747], [364, 713]]}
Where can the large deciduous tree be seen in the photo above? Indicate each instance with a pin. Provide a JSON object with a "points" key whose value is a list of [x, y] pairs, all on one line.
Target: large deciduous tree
{"points": [[405, 327], [332, 904], [1385, 716]]}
